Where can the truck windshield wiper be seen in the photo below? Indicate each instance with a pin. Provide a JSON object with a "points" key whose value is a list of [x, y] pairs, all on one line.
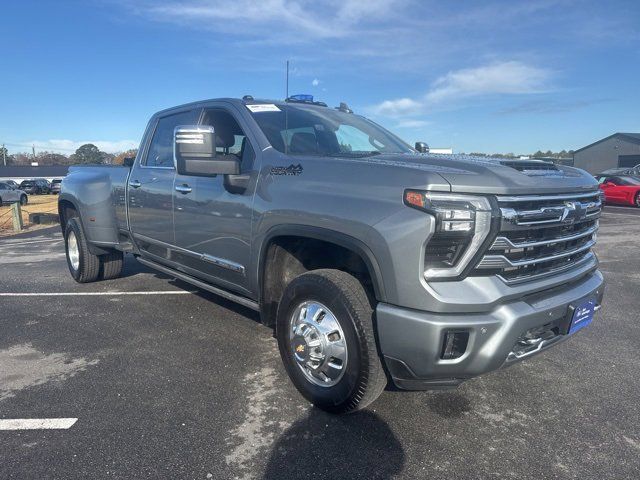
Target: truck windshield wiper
{"points": [[354, 154]]}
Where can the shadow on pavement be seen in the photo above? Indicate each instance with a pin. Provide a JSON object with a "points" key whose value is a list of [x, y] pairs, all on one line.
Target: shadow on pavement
{"points": [[327, 446]]}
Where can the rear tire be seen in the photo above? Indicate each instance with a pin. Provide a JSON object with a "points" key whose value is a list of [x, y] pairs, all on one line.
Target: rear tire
{"points": [[335, 365], [83, 265], [23, 200], [111, 265]]}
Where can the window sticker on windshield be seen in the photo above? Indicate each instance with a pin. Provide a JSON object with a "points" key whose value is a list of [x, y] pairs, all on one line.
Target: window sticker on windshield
{"points": [[263, 107]]}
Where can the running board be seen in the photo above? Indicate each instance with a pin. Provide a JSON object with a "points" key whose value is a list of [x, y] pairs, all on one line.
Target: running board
{"points": [[200, 284]]}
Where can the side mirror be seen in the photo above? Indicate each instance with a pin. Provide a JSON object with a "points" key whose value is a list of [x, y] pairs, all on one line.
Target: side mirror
{"points": [[128, 161], [422, 147], [194, 152]]}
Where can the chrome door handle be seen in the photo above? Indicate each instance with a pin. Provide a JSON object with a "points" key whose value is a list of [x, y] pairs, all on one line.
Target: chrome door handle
{"points": [[183, 188], [135, 184]]}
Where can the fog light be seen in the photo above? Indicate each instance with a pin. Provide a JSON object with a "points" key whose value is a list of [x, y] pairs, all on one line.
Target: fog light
{"points": [[454, 345]]}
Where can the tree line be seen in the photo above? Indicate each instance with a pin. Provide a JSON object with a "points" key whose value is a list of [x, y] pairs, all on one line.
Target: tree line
{"points": [[85, 154], [90, 154], [538, 154]]}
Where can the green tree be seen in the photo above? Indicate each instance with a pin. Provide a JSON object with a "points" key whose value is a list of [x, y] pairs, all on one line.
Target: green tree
{"points": [[88, 153]]}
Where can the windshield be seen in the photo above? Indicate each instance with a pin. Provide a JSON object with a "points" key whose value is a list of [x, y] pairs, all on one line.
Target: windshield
{"points": [[311, 130], [27, 183], [629, 180]]}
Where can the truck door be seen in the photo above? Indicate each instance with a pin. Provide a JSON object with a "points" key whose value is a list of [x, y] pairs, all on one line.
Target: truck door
{"points": [[212, 219], [150, 188]]}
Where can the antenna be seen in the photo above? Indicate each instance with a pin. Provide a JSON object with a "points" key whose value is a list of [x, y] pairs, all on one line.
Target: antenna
{"points": [[287, 89], [286, 114]]}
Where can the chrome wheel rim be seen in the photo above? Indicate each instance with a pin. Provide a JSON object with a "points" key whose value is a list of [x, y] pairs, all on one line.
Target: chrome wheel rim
{"points": [[73, 251], [318, 345]]}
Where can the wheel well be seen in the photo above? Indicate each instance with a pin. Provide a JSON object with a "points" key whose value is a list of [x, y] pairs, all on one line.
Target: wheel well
{"points": [[287, 257], [66, 210]]}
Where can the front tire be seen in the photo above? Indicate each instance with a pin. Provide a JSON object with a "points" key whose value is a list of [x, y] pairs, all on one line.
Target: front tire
{"points": [[23, 200], [83, 265], [637, 200], [327, 343]]}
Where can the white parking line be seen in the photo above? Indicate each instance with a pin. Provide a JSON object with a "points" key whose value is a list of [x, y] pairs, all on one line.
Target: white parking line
{"points": [[32, 242], [37, 423], [606, 214], [90, 294]]}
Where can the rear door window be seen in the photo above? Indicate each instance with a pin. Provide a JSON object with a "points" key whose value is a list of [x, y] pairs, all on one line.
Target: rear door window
{"points": [[160, 152]]}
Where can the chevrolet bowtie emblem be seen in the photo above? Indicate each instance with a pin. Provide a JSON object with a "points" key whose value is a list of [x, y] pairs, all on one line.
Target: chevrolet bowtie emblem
{"points": [[300, 348], [573, 212]]}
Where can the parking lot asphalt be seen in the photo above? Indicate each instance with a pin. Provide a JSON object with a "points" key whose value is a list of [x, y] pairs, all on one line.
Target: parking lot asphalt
{"points": [[171, 382]]}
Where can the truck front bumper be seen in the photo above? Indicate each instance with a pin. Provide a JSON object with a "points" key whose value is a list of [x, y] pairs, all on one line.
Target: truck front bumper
{"points": [[412, 342]]}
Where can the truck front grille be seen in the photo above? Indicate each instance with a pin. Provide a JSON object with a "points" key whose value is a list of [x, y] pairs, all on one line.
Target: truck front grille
{"points": [[542, 235]]}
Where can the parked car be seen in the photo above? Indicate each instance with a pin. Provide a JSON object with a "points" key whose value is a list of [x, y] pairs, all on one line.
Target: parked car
{"points": [[37, 186], [55, 186], [10, 194], [374, 262], [634, 171], [620, 189]]}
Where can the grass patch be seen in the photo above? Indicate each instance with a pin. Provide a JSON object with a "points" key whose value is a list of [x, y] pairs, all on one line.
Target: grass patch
{"points": [[36, 204]]}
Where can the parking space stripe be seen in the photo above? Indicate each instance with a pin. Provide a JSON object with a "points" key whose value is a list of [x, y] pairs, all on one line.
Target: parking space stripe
{"points": [[90, 294], [37, 423], [616, 214], [31, 242]]}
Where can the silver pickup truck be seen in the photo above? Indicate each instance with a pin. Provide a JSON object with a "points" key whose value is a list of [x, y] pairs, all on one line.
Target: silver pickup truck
{"points": [[375, 262]]}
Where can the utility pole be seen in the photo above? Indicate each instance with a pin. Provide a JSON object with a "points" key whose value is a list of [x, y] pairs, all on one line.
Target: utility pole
{"points": [[33, 150], [4, 155]]}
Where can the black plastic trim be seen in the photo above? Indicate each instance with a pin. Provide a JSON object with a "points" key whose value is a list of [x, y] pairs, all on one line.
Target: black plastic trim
{"points": [[332, 236]]}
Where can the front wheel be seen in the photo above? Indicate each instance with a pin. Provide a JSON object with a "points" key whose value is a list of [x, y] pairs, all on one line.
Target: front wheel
{"points": [[327, 343], [83, 265], [23, 200], [637, 200]]}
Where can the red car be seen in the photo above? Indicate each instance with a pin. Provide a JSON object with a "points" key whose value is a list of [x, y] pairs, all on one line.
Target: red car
{"points": [[621, 189]]}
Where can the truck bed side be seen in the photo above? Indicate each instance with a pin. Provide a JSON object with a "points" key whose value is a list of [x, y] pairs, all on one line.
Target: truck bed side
{"points": [[98, 195]]}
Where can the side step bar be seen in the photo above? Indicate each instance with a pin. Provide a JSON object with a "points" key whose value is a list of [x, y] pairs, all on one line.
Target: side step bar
{"points": [[200, 284]]}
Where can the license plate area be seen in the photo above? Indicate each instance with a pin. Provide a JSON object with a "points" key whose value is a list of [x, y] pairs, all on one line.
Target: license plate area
{"points": [[581, 315]]}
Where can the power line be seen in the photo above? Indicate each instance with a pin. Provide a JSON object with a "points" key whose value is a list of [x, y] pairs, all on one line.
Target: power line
{"points": [[40, 147]]}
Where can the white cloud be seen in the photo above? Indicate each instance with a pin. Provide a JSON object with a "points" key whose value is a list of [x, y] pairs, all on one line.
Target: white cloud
{"points": [[279, 18], [399, 107], [503, 78], [416, 124], [68, 147], [315, 82], [506, 78]]}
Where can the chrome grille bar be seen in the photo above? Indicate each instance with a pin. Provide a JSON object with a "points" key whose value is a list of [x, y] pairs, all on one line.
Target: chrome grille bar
{"points": [[588, 260], [547, 215], [537, 198], [503, 243], [543, 235], [500, 261]]}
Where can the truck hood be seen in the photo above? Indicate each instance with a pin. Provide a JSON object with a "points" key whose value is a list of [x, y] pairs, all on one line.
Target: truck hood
{"points": [[470, 174]]}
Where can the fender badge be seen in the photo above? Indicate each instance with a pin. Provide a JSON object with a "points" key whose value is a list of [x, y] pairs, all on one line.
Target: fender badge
{"points": [[290, 170]]}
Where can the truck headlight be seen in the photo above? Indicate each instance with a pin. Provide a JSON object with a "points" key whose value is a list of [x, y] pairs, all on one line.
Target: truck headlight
{"points": [[463, 224]]}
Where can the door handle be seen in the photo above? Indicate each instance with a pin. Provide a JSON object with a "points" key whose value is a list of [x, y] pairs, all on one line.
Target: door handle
{"points": [[184, 189], [135, 184]]}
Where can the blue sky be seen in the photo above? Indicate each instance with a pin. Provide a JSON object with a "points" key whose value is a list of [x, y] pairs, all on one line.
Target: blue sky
{"points": [[476, 76]]}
